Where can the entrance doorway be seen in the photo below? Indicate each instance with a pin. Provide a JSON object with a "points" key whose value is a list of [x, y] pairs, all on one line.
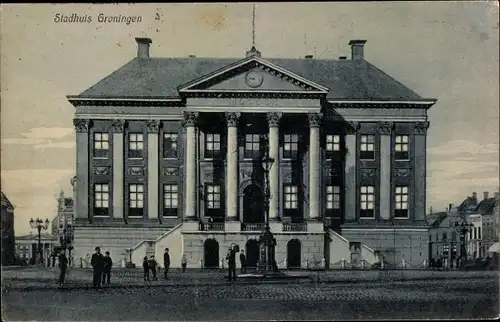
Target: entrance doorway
{"points": [[293, 250], [253, 204], [211, 253], [252, 252]]}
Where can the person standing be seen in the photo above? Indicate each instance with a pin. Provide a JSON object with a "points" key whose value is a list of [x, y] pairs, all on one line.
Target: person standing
{"points": [[152, 266], [63, 265], [184, 262], [97, 263], [166, 262], [243, 262], [231, 261], [108, 263], [145, 266]]}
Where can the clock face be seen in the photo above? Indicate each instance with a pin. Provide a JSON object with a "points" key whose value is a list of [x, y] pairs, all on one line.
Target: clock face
{"points": [[254, 79]]}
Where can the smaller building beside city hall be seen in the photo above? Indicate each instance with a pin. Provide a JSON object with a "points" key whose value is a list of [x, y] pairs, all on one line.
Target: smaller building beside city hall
{"points": [[169, 154]]}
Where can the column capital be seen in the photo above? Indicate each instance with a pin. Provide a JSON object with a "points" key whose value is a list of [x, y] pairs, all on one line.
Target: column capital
{"points": [[153, 126], [351, 127], [232, 119], [385, 128], [190, 119], [81, 125], [273, 118], [420, 127], [118, 126], [314, 119]]}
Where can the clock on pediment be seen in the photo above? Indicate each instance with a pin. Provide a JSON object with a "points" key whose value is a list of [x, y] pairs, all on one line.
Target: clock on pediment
{"points": [[254, 79]]}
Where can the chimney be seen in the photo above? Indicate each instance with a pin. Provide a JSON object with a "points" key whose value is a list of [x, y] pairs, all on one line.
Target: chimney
{"points": [[485, 195], [308, 56], [474, 195], [192, 56], [343, 57], [357, 49], [143, 47], [450, 206]]}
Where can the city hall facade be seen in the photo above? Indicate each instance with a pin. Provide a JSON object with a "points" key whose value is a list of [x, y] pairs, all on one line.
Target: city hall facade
{"points": [[169, 154]]}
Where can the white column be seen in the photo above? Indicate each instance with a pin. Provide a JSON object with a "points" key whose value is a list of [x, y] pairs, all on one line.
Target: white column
{"points": [[82, 127], [385, 130], [153, 172], [274, 183], [350, 186], [232, 167], [190, 119], [314, 166], [118, 155]]}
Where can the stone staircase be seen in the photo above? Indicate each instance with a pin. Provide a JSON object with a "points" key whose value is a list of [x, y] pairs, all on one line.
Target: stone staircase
{"points": [[339, 250]]}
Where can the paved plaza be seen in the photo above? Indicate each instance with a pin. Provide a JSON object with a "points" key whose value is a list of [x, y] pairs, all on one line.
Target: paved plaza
{"points": [[207, 296]]}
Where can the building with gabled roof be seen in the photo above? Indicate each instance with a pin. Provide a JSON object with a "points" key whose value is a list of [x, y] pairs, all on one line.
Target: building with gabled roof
{"points": [[169, 154]]}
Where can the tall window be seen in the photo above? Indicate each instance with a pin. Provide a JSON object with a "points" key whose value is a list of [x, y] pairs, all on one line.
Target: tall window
{"points": [[291, 197], [101, 200], [478, 232], [333, 200], [332, 144], [367, 147], [136, 200], [212, 145], [252, 146], [367, 202], [101, 145], [291, 146], [213, 197], [170, 200], [401, 207], [170, 145], [135, 145], [401, 147]]}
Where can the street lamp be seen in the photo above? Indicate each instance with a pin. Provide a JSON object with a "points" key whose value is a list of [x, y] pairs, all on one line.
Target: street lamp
{"points": [[266, 239], [39, 224], [463, 228]]}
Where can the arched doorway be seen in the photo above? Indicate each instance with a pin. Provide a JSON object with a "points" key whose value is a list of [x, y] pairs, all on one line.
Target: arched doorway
{"points": [[253, 204], [252, 252], [211, 253], [293, 253]]}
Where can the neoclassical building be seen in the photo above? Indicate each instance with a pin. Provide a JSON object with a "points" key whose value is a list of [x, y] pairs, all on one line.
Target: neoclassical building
{"points": [[169, 155]]}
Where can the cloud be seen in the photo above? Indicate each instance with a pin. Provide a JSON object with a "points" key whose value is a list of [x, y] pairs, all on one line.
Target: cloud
{"points": [[16, 181], [49, 132], [60, 145], [463, 148], [22, 141]]}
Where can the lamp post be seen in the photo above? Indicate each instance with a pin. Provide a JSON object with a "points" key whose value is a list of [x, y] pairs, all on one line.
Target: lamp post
{"points": [[39, 224], [266, 240], [463, 228]]}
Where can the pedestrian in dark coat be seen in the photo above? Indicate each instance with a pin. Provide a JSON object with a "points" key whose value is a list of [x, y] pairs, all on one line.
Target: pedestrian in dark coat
{"points": [[108, 263], [166, 262], [63, 265], [152, 266], [145, 266], [243, 262], [231, 261], [97, 263]]}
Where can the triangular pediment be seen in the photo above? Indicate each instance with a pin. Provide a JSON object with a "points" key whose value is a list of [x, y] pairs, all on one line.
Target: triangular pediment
{"points": [[253, 74]]}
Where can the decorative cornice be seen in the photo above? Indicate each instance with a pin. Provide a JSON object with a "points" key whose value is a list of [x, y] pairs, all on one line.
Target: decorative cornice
{"points": [[153, 126], [190, 119], [385, 128], [126, 102], [118, 126], [314, 119], [101, 170], [351, 127], [232, 119], [274, 118], [421, 127], [402, 173], [171, 172], [136, 171], [255, 94], [81, 125]]}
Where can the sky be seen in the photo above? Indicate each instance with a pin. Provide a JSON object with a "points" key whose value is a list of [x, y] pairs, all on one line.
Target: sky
{"points": [[447, 50]]}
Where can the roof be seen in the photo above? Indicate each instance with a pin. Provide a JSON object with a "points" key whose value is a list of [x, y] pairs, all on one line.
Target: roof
{"points": [[6, 202], [161, 77], [486, 206], [35, 237], [435, 219]]}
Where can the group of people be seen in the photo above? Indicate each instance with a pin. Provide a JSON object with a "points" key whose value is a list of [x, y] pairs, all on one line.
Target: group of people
{"points": [[150, 265], [101, 268], [231, 261]]}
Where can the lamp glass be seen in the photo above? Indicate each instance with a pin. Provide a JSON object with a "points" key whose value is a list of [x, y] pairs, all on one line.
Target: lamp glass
{"points": [[267, 163]]}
